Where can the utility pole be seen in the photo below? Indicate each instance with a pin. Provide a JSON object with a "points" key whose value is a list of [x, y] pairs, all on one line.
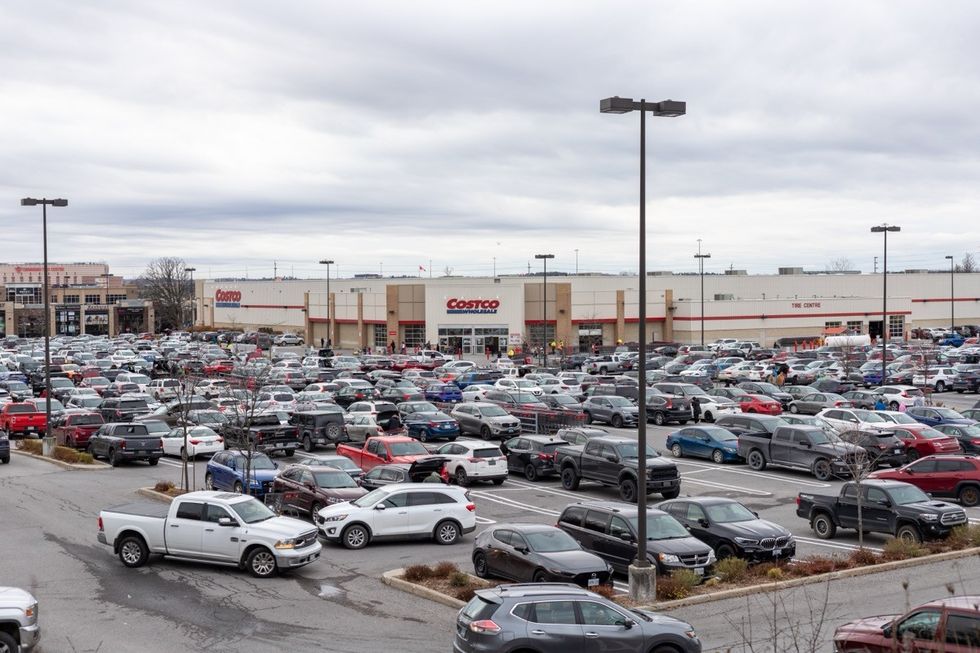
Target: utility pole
{"points": [[876, 265], [700, 257], [275, 270], [576, 260]]}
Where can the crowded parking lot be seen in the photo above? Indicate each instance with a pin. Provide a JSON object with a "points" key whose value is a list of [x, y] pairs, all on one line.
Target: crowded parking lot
{"points": [[503, 456]]}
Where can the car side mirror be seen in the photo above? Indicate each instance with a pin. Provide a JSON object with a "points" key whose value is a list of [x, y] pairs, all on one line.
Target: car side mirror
{"points": [[886, 631], [522, 550], [626, 623], [611, 458], [703, 523], [226, 521], [379, 506], [626, 537]]}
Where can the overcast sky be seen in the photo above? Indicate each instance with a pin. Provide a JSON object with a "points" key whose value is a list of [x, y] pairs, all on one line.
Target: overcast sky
{"points": [[384, 135]]}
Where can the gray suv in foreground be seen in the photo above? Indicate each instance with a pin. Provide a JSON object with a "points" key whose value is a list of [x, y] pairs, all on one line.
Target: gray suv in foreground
{"points": [[563, 618]]}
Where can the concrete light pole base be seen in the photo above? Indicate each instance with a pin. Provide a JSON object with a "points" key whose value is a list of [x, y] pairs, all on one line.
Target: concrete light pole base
{"points": [[643, 584]]}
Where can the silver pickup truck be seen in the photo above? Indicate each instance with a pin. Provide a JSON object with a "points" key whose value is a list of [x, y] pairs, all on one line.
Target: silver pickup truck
{"points": [[18, 620], [218, 527]]}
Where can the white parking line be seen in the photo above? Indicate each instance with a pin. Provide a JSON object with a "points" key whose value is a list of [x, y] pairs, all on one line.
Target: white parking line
{"points": [[725, 486], [835, 545], [551, 490], [485, 520], [170, 463], [515, 504], [771, 477]]}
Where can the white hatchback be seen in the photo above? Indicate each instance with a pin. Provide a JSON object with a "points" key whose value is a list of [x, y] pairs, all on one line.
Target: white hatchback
{"points": [[201, 441], [400, 511], [474, 460]]}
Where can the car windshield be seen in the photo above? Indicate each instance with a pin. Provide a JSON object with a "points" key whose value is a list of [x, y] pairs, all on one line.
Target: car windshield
{"points": [[252, 511], [948, 413], [259, 461], [619, 402], [526, 398], [906, 494], [16, 386], [407, 449], [931, 433], [821, 437], [692, 391], [868, 416], [133, 404], [632, 450], [338, 479], [767, 387], [724, 513], [340, 462], [720, 435], [661, 527], [421, 407], [551, 541], [493, 411], [563, 399], [371, 498], [972, 430]]}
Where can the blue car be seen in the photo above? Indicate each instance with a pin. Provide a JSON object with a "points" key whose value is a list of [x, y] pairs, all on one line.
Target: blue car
{"points": [[444, 392], [712, 442], [933, 416], [425, 422], [226, 471]]}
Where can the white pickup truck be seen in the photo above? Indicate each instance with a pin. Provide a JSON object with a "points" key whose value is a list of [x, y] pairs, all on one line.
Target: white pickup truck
{"points": [[218, 527]]}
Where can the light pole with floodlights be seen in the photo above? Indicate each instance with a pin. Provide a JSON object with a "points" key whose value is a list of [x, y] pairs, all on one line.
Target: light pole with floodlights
{"points": [[328, 263], [952, 296], [642, 576], [700, 257], [44, 202], [544, 302], [884, 229], [191, 271]]}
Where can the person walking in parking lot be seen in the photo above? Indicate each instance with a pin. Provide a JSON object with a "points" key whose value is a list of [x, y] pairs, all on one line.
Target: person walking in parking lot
{"points": [[880, 403], [696, 409]]}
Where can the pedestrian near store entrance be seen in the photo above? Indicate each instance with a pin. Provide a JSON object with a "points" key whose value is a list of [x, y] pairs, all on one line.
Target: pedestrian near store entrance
{"points": [[696, 409]]}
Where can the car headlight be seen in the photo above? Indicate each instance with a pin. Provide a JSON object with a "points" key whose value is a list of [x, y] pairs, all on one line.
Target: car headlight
{"points": [[340, 517], [3, 436], [691, 634], [711, 556], [286, 544], [930, 517], [668, 557], [746, 540]]}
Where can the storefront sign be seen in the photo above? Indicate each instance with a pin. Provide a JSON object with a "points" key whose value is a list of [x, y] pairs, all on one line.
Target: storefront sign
{"points": [[805, 304], [227, 298], [455, 306]]}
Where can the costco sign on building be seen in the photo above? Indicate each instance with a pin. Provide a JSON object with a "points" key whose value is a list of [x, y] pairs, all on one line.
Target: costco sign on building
{"points": [[455, 306], [227, 298]]}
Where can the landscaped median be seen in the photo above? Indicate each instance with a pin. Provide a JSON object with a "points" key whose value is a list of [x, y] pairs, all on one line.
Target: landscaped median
{"points": [[64, 457], [734, 577], [162, 491]]}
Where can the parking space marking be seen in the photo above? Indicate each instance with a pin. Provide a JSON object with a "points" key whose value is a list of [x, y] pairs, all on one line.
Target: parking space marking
{"points": [[170, 463], [725, 486], [835, 545], [543, 488], [485, 520], [771, 477], [515, 504]]}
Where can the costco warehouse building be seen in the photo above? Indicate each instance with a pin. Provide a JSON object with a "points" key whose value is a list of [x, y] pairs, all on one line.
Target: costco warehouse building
{"points": [[477, 315]]}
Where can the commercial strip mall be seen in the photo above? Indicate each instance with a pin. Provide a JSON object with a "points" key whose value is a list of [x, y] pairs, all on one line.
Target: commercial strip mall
{"points": [[479, 315]]}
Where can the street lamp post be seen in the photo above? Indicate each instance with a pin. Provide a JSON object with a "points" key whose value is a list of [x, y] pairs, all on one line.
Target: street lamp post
{"points": [[642, 576], [328, 263], [44, 202], [700, 257], [952, 296], [191, 271], [884, 229], [544, 302]]}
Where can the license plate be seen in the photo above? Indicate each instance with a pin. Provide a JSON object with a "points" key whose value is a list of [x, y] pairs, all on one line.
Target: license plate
{"points": [[593, 582], [776, 552], [491, 462], [898, 451], [699, 571]]}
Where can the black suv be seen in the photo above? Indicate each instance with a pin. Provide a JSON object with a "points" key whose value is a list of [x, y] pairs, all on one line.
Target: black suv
{"points": [[608, 529], [320, 427], [562, 618]]}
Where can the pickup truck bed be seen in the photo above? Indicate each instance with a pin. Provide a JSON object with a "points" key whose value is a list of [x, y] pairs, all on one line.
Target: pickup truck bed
{"points": [[142, 509]]}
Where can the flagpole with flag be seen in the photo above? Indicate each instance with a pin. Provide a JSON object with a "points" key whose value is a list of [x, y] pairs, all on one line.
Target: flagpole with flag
{"points": [[421, 270]]}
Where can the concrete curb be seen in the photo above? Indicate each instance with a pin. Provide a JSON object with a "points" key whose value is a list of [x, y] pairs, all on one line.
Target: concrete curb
{"points": [[150, 493], [94, 467], [809, 580], [391, 578]]}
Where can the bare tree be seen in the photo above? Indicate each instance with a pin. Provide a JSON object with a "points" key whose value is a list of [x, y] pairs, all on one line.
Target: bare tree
{"points": [[859, 466], [238, 434], [166, 283], [967, 263], [784, 628], [842, 264]]}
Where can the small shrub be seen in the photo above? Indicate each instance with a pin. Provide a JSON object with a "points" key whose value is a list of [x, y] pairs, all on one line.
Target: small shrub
{"points": [[30, 446], [959, 538], [444, 569], [459, 579], [65, 454], [85, 458], [896, 549], [417, 573], [712, 582], [774, 574], [864, 557], [814, 565], [732, 570], [163, 486], [465, 594], [677, 585]]}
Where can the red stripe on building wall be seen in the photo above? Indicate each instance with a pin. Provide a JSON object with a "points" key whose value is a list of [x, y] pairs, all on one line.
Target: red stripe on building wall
{"points": [[273, 306], [709, 318], [412, 322], [946, 299]]}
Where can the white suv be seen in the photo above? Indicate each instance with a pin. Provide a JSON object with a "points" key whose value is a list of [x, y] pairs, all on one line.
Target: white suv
{"points": [[906, 395], [938, 378], [854, 419], [400, 511], [474, 460]]}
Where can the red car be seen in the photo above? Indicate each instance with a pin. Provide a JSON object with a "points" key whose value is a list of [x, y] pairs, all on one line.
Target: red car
{"points": [[22, 418], [951, 625], [921, 440], [75, 427], [956, 477], [758, 404], [218, 367]]}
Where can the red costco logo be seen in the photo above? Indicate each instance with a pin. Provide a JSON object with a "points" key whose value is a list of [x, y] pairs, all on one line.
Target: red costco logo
{"points": [[486, 306], [227, 298]]}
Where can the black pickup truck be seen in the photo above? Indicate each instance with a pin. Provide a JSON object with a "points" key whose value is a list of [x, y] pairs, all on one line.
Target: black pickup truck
{"points": [[612, 461], [266, 433], [119, 441], [892, 507], [802, 447]]}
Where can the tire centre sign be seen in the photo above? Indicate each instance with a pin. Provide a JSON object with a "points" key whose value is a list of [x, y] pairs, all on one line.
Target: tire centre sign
{"points": [[456, 306], [227, 298]]}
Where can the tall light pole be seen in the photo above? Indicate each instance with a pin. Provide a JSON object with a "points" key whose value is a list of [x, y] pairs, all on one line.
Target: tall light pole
{"points": [[884, 229], [700, 257], [44, 202], [544, 302], [576, 260], [952, 296], [328, 263], [641, 575], [191, 271]]}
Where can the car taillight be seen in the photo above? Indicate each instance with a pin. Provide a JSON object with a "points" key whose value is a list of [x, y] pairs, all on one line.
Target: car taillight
{"points": [[838, 403], [905, 394], [194, 441], [471, 507], [122, 445], [220, 439], [668, 404], [882, 446], [485, 627], [101, 527], [797, 500], [546, 456]]}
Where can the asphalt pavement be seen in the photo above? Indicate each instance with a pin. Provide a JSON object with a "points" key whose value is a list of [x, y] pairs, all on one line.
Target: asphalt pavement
{"points": [[90, 602]]}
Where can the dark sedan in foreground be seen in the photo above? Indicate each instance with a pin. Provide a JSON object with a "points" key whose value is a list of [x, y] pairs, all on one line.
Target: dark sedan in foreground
{"points": [[536, 553]]}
